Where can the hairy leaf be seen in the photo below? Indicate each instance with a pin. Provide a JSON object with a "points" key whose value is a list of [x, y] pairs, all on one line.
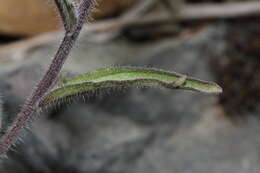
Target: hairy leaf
{"points": [[125, 77]]}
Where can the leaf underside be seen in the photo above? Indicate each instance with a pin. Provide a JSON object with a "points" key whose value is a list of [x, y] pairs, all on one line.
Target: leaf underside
{"points": [[117, 77]]}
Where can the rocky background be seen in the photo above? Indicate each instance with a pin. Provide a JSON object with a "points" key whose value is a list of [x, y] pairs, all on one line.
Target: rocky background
{"points": [[140, 130]]}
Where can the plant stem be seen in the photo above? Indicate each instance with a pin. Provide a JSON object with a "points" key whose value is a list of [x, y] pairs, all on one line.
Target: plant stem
{"points": [[48, 80]]}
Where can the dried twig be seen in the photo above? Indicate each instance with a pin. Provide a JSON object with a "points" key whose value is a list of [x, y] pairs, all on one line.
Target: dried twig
{"points": [[139, 9], [169, 6], [187, 13], [219, 11]]}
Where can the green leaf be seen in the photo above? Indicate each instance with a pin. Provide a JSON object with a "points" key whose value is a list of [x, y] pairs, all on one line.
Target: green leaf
{"points": [[124, 77]]}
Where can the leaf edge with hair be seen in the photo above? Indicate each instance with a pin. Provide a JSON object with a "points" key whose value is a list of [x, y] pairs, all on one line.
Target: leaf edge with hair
{"points": [[118, 77]]}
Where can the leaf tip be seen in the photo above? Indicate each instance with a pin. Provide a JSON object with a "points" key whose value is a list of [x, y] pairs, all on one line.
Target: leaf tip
{"points": [[215, 89]]}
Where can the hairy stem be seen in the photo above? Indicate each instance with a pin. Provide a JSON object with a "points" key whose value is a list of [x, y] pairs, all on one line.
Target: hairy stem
{"points": [[50, 76], [68, 12]]}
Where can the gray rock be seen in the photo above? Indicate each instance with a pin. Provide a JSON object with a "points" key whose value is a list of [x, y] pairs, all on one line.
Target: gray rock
{"points": [[138, 130]]}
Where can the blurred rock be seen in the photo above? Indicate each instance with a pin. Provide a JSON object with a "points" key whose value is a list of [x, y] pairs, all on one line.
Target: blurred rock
{"points": [[29, 17], [139, 130], [240, 69]]}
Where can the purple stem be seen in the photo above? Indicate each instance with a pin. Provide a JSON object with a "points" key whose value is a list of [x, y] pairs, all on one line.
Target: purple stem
{"points": [[48, 80], [59, 6]]}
